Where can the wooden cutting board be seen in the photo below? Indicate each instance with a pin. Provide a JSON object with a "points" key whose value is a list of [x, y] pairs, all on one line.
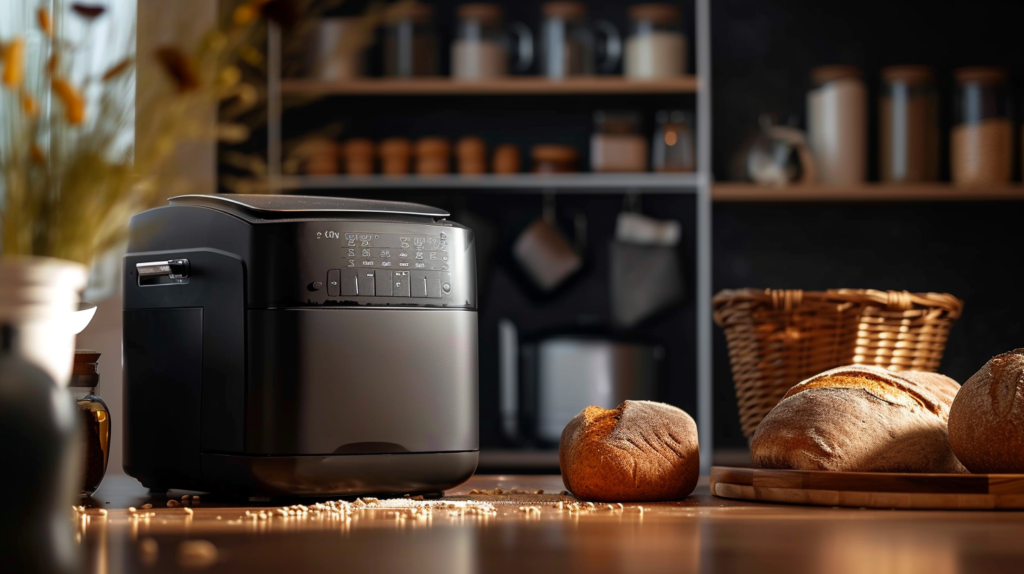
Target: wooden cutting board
{"points": [[871, 489]]}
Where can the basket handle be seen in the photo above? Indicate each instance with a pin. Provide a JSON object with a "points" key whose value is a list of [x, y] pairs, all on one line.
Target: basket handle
{"points": [[786, 299]]}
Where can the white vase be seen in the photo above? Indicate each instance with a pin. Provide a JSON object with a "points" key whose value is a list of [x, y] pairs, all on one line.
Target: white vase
{"points": [[39, 298]]}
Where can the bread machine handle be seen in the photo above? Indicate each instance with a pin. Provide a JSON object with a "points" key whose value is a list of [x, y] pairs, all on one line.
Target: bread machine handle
{"points": [[172, 269]]}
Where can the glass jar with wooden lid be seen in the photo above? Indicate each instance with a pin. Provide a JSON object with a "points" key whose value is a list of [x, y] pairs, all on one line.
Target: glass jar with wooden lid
{"points": [[568, 41], [410, 41], [656, 46], [481, 45], [837, 124], [981, 144], [908, 125]]}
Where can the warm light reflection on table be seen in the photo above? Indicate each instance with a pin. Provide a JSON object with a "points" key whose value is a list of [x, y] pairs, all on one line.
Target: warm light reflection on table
{"points": [[700, 534]]}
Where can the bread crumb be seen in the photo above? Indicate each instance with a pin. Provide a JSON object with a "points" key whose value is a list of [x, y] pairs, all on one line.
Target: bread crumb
{"points": [[146, 506]]}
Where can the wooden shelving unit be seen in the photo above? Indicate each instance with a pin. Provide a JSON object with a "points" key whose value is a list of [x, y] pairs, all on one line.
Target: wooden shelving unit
{"points": [[528, 182], [514, 86], [743, 192]]}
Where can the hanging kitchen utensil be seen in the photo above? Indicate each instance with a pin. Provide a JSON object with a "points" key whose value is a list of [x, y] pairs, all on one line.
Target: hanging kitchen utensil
{"points": [[646, 275], [543, 251]]}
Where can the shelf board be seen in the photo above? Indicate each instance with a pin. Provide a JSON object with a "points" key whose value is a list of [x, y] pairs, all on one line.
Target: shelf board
{"points": [[743, 192], [569, 182], [514, 85]]}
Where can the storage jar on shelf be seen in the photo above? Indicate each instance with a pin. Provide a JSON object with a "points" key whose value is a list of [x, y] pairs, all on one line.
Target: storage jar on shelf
{"points": [[656, 48], [617, 145], [568, 42], [480, 49], [410, 42], [837, 124], [674, 148], [395, 156], [908, 125], [554, 158], [338, 49], [433, 156], [981, 144]]}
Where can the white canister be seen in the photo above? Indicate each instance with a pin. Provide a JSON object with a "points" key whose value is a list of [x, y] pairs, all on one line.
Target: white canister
{"points": [[39, 297], [837, 124], [656, 48]]}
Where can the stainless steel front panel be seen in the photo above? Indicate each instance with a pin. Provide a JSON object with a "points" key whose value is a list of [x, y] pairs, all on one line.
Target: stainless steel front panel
{"points": [[361, 380]]}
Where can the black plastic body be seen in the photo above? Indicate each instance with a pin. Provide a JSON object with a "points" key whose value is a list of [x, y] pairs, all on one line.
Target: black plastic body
{"points": [[247, 377]]}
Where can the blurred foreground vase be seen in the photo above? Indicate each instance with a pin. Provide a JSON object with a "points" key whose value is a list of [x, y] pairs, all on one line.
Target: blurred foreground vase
{"points": [[39, 296], [40, 433]]}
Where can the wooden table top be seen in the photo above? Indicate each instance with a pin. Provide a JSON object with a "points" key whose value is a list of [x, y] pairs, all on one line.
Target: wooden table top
{"points": [[700, 534]]}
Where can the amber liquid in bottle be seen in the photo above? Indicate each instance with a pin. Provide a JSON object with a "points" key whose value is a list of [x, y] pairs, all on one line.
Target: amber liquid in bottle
{"points": [[96, 431]]}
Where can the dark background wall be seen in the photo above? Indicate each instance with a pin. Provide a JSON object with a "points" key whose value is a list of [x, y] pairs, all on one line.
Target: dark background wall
{"points": [[763, 51]]}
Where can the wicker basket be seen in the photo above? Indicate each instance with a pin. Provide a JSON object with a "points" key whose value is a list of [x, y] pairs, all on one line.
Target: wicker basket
{"points": [[779, 338]]}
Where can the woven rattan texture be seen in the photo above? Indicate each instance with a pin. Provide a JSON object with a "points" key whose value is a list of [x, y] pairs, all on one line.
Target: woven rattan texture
{"points": [[778, 338]]}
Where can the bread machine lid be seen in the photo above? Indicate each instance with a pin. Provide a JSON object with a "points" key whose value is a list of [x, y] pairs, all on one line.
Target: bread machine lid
{"points": [[300, 206]]}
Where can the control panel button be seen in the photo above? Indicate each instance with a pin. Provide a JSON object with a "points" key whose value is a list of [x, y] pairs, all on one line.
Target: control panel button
{"points": [[418, 283], [400, 284], [446, 282], [316, 286], [367, 283], [350, 282], [384, 283], [334, 282]]}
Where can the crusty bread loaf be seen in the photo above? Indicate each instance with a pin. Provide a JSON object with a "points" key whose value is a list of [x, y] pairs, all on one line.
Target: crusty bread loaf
{"points": [[986, 422], [640, 450], [861, 419]]}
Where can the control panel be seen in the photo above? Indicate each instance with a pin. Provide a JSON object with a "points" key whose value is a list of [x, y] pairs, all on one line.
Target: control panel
{"points": [[392, 265]]}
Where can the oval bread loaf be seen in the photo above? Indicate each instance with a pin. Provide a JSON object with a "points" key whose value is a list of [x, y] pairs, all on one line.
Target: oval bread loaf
{"points": [[638, 451], [986, 422], [861, 419]]}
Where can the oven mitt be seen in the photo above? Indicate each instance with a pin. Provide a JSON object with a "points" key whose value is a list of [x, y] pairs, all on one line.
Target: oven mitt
{"points": [[645, 279]]}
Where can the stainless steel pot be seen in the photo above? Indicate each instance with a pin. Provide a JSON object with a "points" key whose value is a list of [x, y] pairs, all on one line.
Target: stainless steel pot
{"points": [[546, 381]]}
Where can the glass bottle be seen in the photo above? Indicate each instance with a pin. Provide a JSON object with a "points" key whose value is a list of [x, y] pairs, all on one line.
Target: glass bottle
{"points": [[656, 48], [674, 144], [410, 43], [95, 420], [908, 125], [981, 145]]}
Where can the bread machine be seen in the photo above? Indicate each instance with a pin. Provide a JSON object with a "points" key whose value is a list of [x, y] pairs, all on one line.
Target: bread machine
{"points": [[289, 345]]}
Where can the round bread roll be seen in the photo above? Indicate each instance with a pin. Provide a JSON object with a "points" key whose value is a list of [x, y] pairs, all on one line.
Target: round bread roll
{"points": [[640, 450], [861, 419], [986, 422]]}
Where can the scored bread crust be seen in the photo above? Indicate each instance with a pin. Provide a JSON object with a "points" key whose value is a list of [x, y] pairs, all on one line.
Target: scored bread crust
{"points": [[861, 419], [638, 451], [986, 422]]}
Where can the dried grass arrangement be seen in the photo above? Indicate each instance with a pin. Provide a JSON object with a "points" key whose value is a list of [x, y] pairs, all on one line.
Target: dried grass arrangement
{"points": [[71, 175]]}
